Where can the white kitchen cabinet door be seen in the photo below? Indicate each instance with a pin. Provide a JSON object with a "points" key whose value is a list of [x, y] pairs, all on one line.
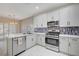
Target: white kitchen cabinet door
{"points": [[28, 42], [54, 15], [74, 15], [64, 16], [44, 20], [43, 40], [33, 40], [63, 44], [36, 37], [40, 20], [35, 22], [39, 39], [74, 46], [50, 16]]}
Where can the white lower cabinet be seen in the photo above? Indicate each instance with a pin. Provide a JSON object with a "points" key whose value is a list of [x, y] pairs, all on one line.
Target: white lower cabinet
{"points": [[33, 40], [74, 46], [69, 45], [63, 44], [43, 40], [30, 41], [40, 39]]}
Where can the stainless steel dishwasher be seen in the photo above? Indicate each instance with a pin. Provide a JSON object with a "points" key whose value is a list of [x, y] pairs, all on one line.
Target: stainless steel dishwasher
{"points": [[16, 45]]}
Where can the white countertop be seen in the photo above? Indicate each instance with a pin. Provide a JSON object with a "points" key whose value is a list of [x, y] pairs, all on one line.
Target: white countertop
{"points": [[69, 35], [14, 35]]}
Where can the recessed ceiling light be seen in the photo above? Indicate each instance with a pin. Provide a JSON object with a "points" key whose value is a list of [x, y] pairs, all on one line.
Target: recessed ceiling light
{"points": [[37, 7]]}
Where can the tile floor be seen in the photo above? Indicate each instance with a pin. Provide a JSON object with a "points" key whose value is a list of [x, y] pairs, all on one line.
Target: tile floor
{"points": [[40, 51]]}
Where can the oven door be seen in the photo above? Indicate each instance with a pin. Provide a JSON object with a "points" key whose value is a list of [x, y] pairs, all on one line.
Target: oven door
{"points": [[52, 41]]}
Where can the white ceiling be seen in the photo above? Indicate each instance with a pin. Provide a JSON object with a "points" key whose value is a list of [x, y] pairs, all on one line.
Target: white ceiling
{"points": [[25, 10]]}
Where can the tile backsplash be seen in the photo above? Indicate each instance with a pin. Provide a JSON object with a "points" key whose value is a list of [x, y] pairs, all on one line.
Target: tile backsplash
{"points": [[74, 30], [41, 30], [70, 30]]}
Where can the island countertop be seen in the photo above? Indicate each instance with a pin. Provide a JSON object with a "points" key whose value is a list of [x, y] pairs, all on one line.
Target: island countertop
{"points": [[14, 35]]}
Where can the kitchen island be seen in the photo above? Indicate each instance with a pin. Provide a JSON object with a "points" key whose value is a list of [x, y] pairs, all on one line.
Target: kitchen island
{"points": [[16, 43]]}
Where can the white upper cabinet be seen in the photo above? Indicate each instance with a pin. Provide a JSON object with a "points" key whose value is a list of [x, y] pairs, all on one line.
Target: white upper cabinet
{"points": [[44, 20], [69, 16], [64, 16], [74, 15], [50, 16], [37, 21], [40, 20], [54, 15]]}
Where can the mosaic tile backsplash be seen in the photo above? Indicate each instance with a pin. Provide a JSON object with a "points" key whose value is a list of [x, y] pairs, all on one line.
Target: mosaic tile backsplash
{"points": [[63, 30], [40, 30], [70, 30]]}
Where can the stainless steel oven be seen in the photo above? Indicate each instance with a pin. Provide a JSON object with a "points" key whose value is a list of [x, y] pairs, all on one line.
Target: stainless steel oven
{"points": [[52, 41], [52, 36]]}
